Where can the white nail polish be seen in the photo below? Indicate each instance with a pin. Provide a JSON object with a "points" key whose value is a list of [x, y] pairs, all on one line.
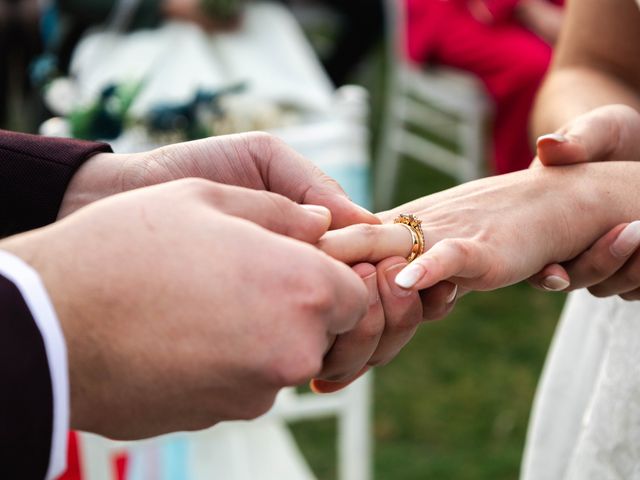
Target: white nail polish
{"points": [[553, 283], [410, 275], [628, 240], [556, 137]]}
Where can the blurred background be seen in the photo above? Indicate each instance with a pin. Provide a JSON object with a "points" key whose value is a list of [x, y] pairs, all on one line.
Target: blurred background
{"points": [[396, 99]]}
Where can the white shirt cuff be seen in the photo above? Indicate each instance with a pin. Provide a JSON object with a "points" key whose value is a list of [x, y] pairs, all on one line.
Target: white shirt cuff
{"points": [[28, 282]]}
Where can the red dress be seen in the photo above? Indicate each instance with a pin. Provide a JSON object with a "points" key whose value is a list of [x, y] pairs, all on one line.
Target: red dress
{"points": [[509, 59]]}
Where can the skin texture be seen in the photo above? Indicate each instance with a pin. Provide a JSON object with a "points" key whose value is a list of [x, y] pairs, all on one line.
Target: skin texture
{"points": [[169, 322]]}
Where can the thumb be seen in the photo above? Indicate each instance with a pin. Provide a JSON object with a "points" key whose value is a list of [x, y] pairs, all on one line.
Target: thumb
{"points": [[604, 134]]}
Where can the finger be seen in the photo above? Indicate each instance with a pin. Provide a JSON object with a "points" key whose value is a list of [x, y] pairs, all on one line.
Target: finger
{"points": [[625, 280], [292, 175], [348, 299], [631, 296], [367, 243], [439, 300], [269, 210], [446, 259], [402, 312], [552, 278], [351, 350], [606, 133], [605, 257], [326, 386]]}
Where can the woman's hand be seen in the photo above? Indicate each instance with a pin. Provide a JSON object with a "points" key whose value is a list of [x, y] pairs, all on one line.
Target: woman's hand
{"points": [[499, 230], [610, 266]]}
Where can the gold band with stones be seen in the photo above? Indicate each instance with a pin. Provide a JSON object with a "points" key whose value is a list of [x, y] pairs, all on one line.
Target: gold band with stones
{"points": [[414, 225]]}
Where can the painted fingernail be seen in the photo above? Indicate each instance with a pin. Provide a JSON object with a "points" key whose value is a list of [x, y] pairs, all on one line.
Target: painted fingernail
{"points": [[628, 240], [372, 286], [391, 274], [318, 210], [554, 283], [410, 275], [554, 137], [452, 296]]}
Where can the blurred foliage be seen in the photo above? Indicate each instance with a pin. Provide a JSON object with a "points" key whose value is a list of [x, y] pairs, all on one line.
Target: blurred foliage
{"points": [[454, 405]]}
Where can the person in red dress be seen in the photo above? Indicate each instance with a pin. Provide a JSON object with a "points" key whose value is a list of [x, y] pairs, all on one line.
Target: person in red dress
{"points": [[506, 43]]}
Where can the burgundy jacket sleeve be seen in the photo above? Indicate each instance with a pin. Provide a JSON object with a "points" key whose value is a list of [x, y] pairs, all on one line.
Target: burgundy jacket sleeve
{"points": [[34, 174], [26, 401]]}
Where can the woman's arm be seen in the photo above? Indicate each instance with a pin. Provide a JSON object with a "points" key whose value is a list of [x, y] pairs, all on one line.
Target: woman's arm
{"points": [[596, 63]]}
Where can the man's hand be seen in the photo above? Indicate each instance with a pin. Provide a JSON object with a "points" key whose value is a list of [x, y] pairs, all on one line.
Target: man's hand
{"points": [[181, 307], [253, 160], [611, 265]]}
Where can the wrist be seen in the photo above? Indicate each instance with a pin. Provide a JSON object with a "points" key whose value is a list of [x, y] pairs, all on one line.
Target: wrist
{"points": [[99, 177], [600, 196]]}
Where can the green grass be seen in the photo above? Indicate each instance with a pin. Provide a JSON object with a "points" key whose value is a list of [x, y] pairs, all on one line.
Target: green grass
{"points": [[455, 404]]}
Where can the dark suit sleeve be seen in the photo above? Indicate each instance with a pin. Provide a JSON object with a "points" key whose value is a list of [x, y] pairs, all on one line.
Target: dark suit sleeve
{"points": [[26, 399], [34, 174]]}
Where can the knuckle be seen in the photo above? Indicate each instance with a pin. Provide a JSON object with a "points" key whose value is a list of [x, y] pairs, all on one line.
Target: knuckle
{"points": [[264, 143], [596, 269], [367, 232], [460, 248], [295, 368], [317, 298], [370, 329], [197, 186]]}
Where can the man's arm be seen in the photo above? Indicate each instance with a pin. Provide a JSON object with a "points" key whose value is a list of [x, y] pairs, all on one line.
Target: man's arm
{"points": [[34, 174], [33, 375]]}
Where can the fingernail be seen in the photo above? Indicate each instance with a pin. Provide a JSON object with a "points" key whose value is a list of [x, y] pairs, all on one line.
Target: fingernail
{"points": [[408, 277], [372, 286], [391, 274], [318, 210], [628, 240], [554, 283], [452, 296], [554, 137]]}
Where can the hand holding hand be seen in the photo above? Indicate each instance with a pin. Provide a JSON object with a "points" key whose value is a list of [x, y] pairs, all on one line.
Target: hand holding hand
{"points": [[609, 266], [253, 160], [182, 308], [498, 230]]}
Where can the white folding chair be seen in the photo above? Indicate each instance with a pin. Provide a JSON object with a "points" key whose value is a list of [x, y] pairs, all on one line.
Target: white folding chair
{"points": [[435, 115]]}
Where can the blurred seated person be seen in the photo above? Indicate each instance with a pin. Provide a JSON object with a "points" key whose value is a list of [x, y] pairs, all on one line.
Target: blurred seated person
{"points": [[506, 43], [19, 44], [78, 15]]}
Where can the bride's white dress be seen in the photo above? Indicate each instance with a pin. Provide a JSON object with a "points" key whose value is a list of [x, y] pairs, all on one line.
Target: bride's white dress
{"points": [[585, 423]]}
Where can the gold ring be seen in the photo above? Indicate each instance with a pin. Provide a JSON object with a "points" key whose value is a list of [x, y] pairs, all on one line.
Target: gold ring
{"points": [[414, 225]]}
